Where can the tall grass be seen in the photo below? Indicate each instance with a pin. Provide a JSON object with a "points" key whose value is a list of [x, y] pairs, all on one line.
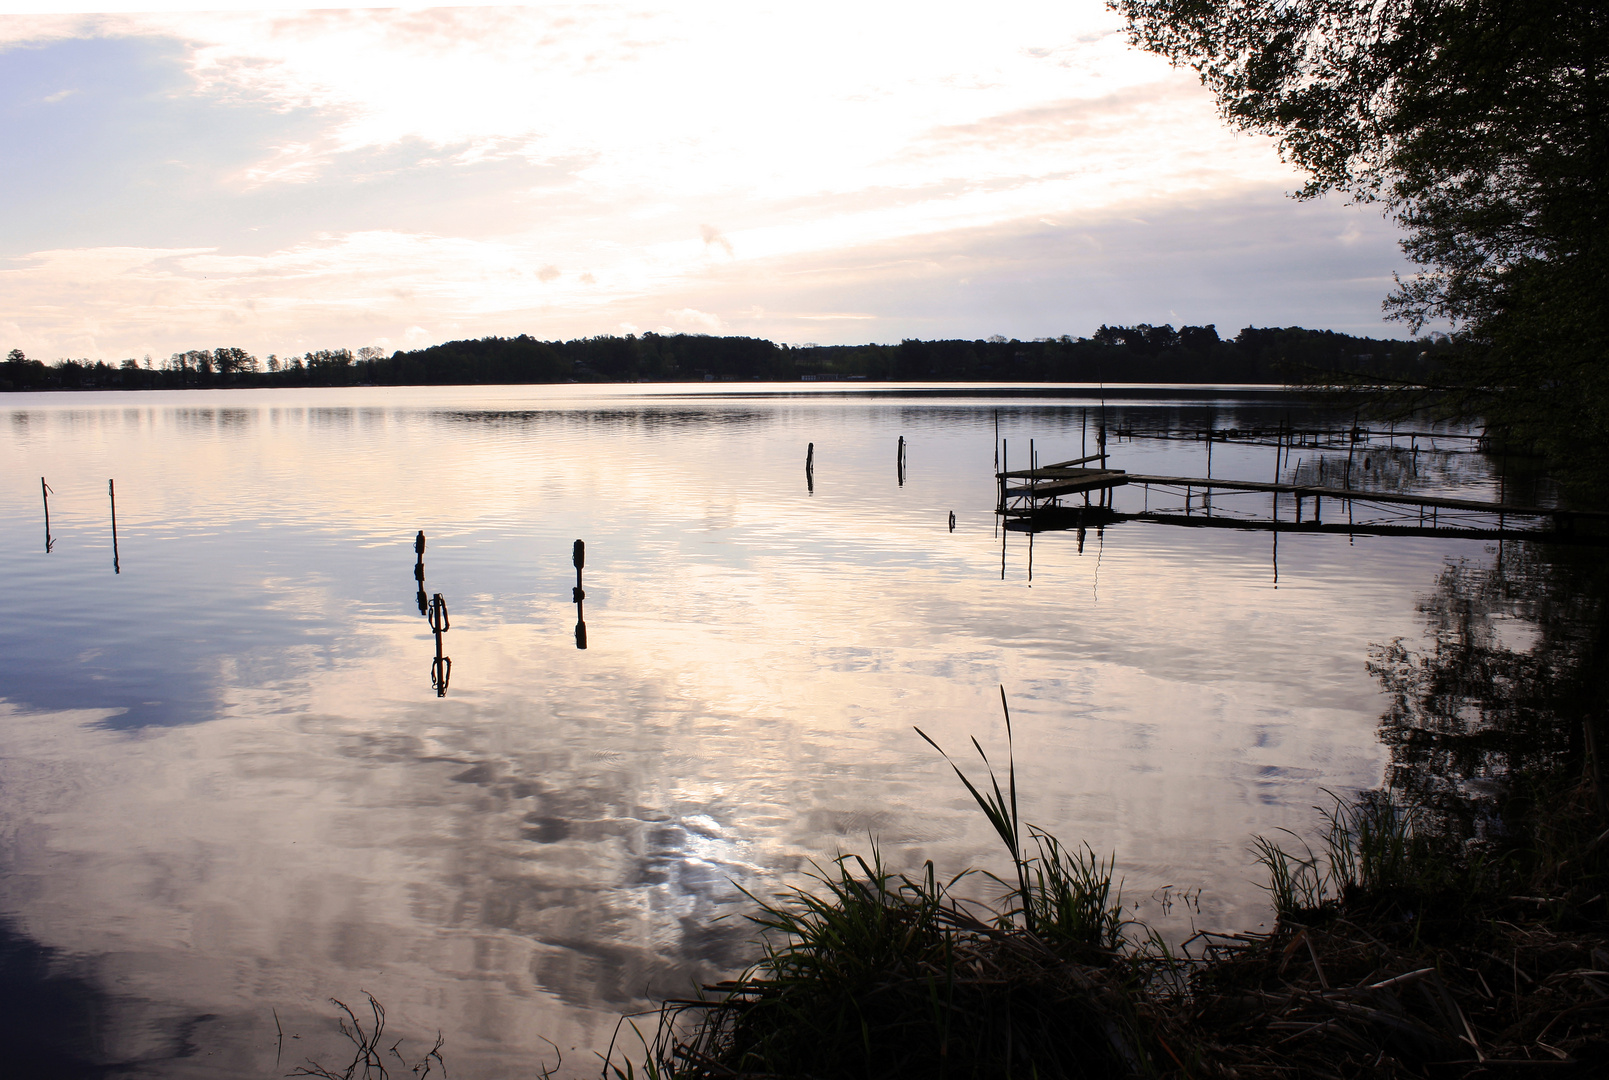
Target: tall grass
{"points": [[1374, 849], [871, 974], [1064, 895]]}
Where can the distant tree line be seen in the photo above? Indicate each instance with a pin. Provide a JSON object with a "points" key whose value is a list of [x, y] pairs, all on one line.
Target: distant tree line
{"points": [[1115, 354]]}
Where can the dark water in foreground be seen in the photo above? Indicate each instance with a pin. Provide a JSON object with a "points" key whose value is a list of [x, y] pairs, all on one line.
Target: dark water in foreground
{"points": [[228, 787]]}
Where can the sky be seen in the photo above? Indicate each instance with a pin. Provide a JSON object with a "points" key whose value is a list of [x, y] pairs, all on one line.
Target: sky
{"points": [[827, 173]]}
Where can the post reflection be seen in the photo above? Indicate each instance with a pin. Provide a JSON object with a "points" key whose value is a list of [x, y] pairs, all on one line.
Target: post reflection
{"points": [[419, 574], [434, 609], [810, 469], [579, 595], [441, 668]]}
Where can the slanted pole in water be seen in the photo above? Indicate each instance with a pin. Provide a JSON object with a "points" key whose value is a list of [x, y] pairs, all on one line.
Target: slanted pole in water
{"points": [[111, 492], [44, 493]]}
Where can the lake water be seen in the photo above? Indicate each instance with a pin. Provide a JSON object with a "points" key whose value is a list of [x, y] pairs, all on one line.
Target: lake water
{"points": [[229, 790]]}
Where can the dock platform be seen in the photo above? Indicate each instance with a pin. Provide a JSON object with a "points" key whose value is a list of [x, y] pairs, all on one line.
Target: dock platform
{"points": [[1031, 500]]}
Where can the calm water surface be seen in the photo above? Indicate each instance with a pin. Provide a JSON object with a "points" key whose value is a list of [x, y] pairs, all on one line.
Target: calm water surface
{"points": [[229, 789]]}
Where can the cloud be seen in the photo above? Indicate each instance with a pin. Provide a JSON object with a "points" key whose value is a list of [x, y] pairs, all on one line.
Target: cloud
{"points": [[699, 320], [712, 235]]}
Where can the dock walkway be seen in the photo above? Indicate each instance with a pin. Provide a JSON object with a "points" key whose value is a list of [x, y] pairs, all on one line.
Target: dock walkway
{"points": [[1030, 494]]}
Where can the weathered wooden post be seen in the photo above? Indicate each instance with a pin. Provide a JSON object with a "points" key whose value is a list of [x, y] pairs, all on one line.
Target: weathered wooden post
{"points": [[111, 491], [1351, 445], [44, 493], [578, 556]]}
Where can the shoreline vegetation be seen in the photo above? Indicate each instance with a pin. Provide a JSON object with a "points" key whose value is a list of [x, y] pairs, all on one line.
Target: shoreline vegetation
{"points": [[1400, 949], [1118, 354]]}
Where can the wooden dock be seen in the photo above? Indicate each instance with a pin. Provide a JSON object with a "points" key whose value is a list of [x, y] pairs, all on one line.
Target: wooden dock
{"points": [[1031, 499]]}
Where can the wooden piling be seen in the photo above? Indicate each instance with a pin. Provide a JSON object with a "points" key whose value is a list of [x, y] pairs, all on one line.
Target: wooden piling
{"points": [[44, 493], [579, 595]]}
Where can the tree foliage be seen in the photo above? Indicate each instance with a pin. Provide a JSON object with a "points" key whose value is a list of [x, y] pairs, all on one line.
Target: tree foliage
{"points": [[1481, 127], [1115, 354]]}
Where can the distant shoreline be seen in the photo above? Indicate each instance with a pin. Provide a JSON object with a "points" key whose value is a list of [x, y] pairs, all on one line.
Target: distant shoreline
{"points": [[824, 388]]}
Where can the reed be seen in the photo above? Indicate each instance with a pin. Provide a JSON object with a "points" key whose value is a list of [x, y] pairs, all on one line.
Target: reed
{"points": [[370, 1054], [1375, 850]]}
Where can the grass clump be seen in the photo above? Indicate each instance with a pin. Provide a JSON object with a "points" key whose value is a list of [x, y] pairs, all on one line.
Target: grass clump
{"points": [[873, 974], [878, 975], [1375, 852]]}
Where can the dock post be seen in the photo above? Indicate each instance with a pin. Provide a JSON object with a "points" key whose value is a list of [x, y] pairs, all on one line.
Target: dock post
{"points": [[1033, 483], [1005, 467], [44, 493], [578, 596], [1351, 445], [111, 491]]}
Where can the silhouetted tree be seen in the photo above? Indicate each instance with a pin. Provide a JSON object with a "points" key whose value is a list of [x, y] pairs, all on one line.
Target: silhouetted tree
{"points": [[1482, 127]]}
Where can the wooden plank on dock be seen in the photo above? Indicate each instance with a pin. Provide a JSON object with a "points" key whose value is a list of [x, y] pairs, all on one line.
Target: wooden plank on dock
{"points": [[1066, 482], [1058, 518], [1057, 472], [1312, 491]]}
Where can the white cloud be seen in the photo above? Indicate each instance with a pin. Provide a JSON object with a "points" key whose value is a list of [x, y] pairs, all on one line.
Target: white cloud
{"points": [[691, 319], [812, 137]]}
